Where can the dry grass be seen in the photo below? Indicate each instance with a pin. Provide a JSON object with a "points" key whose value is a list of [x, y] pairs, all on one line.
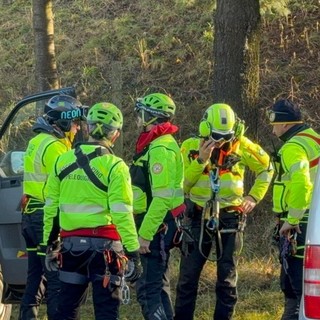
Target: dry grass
{"points": [[259, 293]]}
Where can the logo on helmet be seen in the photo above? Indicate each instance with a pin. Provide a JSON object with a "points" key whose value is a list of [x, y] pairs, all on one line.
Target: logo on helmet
{"points": [[71, 114]]}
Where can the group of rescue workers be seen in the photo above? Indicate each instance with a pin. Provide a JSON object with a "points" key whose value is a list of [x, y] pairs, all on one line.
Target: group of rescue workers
{"points": [[89, 218]]}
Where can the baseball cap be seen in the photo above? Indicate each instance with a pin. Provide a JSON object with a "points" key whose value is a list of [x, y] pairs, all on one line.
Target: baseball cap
{"points": [[284, 111]]}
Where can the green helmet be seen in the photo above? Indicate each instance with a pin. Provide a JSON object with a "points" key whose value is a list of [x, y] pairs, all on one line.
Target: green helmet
{"points": [[218, 120], [102, 118], [158, 105]]}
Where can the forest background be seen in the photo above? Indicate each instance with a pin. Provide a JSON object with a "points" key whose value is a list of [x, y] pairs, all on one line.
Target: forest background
{"points": [[116, 51]]}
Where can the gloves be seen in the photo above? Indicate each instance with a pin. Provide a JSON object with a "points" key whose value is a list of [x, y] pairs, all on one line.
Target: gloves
{"points": [[52, 260], [134, 268], [114, 286]]}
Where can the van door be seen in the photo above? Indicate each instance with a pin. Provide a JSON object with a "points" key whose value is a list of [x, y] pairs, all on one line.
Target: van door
{"points": [[15, 133]]}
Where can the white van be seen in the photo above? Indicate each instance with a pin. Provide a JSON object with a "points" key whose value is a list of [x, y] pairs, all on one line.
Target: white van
{"points": [[310, 302]]}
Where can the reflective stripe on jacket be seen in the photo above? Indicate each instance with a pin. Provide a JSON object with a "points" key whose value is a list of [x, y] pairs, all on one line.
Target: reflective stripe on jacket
{"points": [[82, 204], [40, 156], [293, 185], [157, 179], [197, 183]]}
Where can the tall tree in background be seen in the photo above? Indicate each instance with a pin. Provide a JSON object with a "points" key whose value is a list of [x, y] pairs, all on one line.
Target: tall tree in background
{"points": [[236, 57], [45, 61]]}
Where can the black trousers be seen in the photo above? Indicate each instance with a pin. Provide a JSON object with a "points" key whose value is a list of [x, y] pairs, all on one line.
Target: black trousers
{"points": [[192, 265], [40, 281], [153, 287], [83, 261], [291, 275]]}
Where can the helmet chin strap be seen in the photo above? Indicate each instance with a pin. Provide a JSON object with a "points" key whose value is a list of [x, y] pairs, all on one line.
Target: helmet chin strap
{"points": [[147, 123], [58, 132], [109, 139], [106, 142]]}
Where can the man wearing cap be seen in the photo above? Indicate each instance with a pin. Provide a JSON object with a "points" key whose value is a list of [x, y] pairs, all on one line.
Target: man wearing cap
{"points": [[296, 164]]}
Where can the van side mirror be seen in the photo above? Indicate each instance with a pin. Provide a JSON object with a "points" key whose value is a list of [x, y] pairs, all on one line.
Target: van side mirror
{"points": [[12, 163], [17, 160]]}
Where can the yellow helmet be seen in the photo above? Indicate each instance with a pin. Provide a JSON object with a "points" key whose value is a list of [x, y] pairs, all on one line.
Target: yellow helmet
{"points": [[218, 122]]}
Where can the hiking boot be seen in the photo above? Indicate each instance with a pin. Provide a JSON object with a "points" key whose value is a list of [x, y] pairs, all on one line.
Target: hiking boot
{"points": [[291, 309]]}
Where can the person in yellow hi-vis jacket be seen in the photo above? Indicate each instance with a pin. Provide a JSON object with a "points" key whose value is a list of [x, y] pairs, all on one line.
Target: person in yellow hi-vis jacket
{"points": [[90, 190], [55, 133], [157, 179], [296, 165], [215, 164]]}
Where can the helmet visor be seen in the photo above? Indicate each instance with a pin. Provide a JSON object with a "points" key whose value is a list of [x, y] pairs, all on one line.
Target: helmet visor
{"points": [[221, 137], [155, 113]]}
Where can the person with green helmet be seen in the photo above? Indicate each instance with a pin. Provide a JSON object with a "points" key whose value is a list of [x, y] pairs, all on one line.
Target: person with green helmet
{"points": [[157, 180], [90, 190], [296, 164], [214, 166], [55, 132]]}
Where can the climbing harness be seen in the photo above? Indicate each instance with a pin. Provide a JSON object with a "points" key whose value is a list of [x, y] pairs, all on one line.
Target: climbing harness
{"points": [[211, 210], [83, 162], [241, 224], [183, 237], [183, 229], [121, 290], [210, 213]]}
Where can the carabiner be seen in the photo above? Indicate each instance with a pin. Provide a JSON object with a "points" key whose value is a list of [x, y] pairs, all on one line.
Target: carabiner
{"points": [[211, 224], [124, 292]]}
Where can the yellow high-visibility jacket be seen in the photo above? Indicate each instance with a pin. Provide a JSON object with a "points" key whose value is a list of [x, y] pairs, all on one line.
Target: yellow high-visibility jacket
{"points": [[157, 179], [81, 204], [231, 187], [295, 174], [39, 159]]}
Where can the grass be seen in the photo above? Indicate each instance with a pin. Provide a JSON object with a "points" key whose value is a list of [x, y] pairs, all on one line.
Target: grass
{"points": [[260, 297]]}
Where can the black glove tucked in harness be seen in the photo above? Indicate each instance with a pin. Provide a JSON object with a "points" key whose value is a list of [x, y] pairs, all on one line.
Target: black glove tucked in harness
{"points": [[134, 268], [52, 260]]}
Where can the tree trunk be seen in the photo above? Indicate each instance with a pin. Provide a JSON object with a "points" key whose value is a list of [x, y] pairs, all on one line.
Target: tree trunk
{"points": [[236, 58], [116, 98], [45, 61]]}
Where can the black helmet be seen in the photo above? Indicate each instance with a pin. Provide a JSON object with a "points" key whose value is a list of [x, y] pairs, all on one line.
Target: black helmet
{"points": [[62, 110]]}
